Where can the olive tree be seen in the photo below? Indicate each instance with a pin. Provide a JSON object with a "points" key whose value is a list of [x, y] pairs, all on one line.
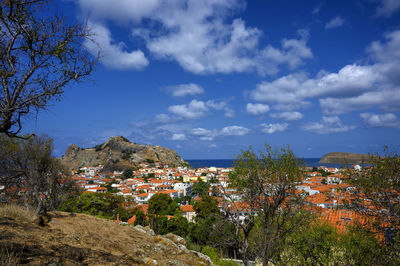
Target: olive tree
{"points": [[376, 196], [40, 53], [262, 189]]}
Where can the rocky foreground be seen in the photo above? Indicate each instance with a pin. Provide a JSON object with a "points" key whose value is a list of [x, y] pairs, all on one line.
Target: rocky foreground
{"points": [[79, 239], [118, 153]]}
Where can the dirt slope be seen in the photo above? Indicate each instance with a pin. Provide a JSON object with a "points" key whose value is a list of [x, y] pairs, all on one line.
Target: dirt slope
{"points": [[85, 240]]}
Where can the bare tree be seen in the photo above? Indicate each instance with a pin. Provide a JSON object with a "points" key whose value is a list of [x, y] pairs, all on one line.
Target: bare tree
{"points": [[40, 53], [30, 175]]}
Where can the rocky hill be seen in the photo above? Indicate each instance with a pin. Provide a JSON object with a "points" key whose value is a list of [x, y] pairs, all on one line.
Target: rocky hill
{"points": [[118, 153], [344, 157], [81, 239]]}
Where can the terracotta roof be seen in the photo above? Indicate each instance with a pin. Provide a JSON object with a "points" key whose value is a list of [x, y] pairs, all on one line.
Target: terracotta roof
{"points": [[187, 208]]}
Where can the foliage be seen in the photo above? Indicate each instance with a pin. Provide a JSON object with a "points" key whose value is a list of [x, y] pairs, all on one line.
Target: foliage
{"points": [[206, 207], [200, 188], [213, 254], [266, 183], [140, 218], [40, 54], [362, 247], [377, 197], [315, 245], [104, 205], [31, 175], [162, 204], [321, 171], [207, 215], [128, 173]]}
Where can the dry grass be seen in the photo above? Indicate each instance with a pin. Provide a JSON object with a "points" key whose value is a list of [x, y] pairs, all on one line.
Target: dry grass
{"points": [[7, 257], [79, 239], [17, 212]]}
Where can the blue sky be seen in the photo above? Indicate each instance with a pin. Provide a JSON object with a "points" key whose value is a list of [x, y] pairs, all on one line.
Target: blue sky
{"points": [[208, 78]]}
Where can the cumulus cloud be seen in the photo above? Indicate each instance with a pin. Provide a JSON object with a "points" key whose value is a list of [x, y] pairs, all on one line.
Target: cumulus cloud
{"points": [[257, 108], [207, 134], [177, 136], [234, 131], [200, 35], [328, 124], [194, 110], [288, 116], [184, 90], [113, 54], [120, 10], [387, 7], [204, 134], [381, 120], [273, 128], [335, 23], [353, 87], [221, 105]]}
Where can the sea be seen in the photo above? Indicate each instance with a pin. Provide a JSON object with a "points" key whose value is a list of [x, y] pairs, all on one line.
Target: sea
{"points": [[225, 163]]}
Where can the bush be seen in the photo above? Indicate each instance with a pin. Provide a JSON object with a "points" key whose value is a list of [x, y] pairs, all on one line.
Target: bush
{"points": [[213, 254]]}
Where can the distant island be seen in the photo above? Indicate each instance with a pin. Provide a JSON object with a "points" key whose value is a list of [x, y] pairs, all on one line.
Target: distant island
{"points": [[344, 157]]}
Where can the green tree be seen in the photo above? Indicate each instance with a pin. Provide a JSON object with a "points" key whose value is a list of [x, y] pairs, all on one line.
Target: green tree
{"points": [[266, 184], [40, 55], [178, 225], [207, 215], [158, 204], [106, 205], [128, 173], [312, 245], [377, 197], [141, 218], [207, 206], [200, 188]]}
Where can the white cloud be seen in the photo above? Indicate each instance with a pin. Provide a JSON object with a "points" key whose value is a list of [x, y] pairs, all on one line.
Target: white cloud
{"points": [[257, 108], [273, 128], [353, 87], [119, 10], [385, 99], [234, 131], [383, 120], [163, 118], [288, 116], [335, 23], [204, 134], [207, 134], [194, 110], [328, 125], [184, 90], [112, 54], [229, 112], [387, 7], [221, 105], [291, 91], [177, 136], [199, 35]]}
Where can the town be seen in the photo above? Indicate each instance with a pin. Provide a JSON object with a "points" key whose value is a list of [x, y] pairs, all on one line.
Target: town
{"points": [[325, 188]]}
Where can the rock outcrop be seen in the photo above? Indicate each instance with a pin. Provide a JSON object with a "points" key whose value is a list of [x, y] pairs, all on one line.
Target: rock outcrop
{"points": [[118, 153], [344, 158], [86, 240]]}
